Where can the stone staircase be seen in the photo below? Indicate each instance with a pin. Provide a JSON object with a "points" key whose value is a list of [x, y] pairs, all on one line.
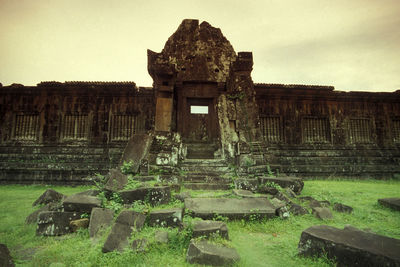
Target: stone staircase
{"points": [[202, 171]]}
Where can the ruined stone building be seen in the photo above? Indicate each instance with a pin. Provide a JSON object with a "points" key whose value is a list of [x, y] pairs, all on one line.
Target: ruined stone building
{"points": [[203, 104]]}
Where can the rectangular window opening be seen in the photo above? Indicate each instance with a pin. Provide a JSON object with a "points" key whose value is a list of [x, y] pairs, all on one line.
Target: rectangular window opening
{"points": [[198, 109]]}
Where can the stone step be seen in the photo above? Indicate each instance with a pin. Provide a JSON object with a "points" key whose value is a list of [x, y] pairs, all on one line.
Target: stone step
{"points": [[337, 160], [204, 162], [205, 169], [356, 168], [200, 150], [333, 153], [52, 150], [204, 178], [200, 155], [207, 186]]}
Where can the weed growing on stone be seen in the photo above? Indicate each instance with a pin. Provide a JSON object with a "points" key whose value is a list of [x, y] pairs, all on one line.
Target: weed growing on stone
{"points": [[127, 167]]}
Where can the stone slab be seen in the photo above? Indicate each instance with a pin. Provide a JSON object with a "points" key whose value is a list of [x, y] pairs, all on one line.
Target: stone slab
{"points": [[100, 219], [79, 224], [202, 252], [50, 195], [339, 207], [54, 223], [350, 246], [208, 208], [207, 228], [153, 195], [52, 206], [393, 203], [81, 203], [322, 213], [243, 193], [166, 217], [136, 149], [116, 180], [126, 222]]}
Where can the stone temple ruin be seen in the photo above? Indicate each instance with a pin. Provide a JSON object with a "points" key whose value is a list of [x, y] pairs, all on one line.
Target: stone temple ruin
{"points": [[203, 115]]}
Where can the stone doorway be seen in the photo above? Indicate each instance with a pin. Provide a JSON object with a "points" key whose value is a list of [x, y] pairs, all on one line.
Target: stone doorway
{"points": [[200, 124]]}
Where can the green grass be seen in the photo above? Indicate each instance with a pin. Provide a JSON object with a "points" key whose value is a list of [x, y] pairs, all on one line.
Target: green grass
{"points": [[259, 243]]}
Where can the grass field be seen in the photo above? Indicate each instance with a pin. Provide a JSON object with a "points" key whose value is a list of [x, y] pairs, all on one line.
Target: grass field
{"points": [[259, 243]]}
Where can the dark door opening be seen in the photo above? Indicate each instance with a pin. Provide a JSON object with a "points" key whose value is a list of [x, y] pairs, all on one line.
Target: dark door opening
{"points": [[200, 115]]}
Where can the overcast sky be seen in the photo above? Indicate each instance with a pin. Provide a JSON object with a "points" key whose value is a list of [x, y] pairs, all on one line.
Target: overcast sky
{"points": [[353, 45]]}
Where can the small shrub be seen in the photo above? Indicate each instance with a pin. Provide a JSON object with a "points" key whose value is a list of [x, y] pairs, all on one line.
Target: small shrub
{"points": [[127, 167], [273, 185]]}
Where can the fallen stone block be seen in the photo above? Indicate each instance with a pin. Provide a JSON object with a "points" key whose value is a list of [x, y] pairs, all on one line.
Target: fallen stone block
{"points": [[153, 195], [166, 217], [323, 213], [289, 192], [136, 150], [324, 203], [126, 222], [277, 203], [306, 198], [392, 203], [246, 184], [81, 203], [100, 219], [281, 196], [54, 223], [202, 252], [48, 196], [267, 190], [139, 245], [90, 192], [182, 196], [314, 204], [52, 206], [339, 207], [294, 183], [243, 193], [161, 237], [116, 180], [298, 210], [208, 228], [78, 224], [208, 208], [350, 246], [5, 257]]}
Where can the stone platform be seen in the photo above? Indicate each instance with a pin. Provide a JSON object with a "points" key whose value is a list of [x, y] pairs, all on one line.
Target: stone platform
{"points": [[208, 208]]}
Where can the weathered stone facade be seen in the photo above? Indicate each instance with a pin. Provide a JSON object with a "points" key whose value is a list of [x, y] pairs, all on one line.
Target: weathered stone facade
{"points": [[62, 132]]}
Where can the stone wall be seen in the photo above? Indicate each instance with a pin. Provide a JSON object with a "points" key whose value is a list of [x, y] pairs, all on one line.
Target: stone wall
{"points": [[316, 131], [63, 132]]}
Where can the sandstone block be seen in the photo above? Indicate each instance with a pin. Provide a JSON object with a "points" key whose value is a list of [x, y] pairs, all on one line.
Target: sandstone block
{"points": [[100, 219], [208, 228], [126, 222], [202, 252], [350, 246], [81, 203], [48, 196], [166, 217], [53, 223]]}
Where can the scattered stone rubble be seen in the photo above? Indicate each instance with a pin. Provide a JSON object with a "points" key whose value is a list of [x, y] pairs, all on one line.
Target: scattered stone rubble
{"points": [[62, 215]]}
